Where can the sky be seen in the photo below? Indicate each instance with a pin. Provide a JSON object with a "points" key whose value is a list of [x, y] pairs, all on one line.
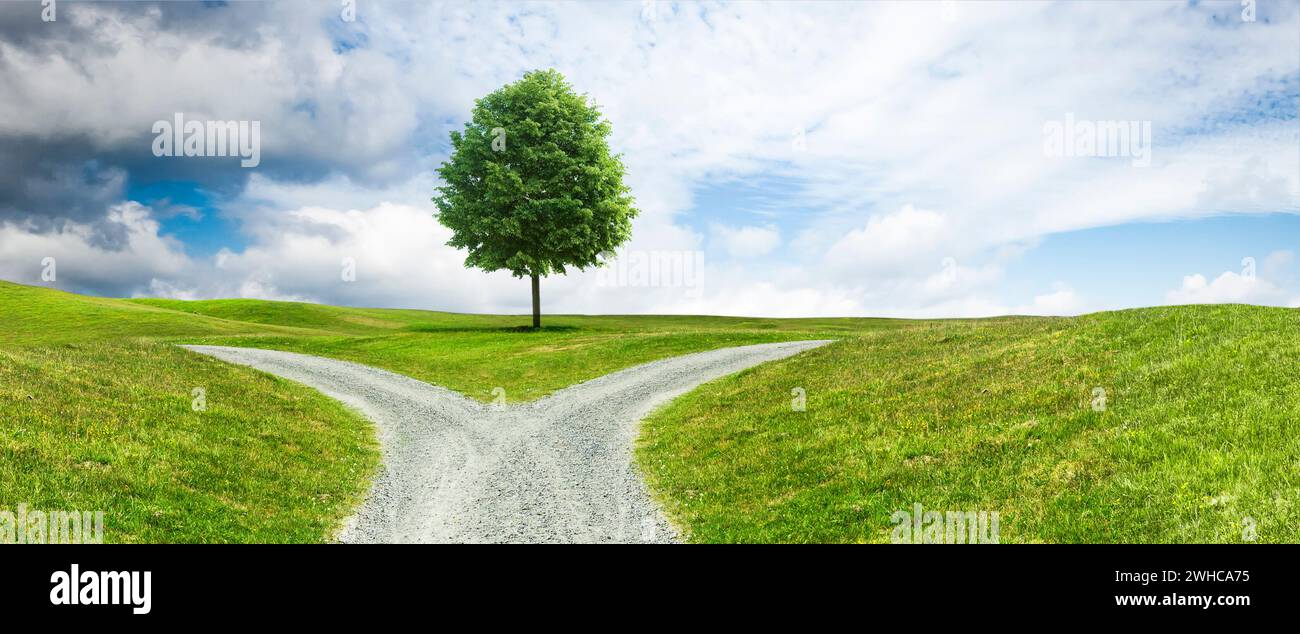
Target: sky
{"points": [[909, 159]]}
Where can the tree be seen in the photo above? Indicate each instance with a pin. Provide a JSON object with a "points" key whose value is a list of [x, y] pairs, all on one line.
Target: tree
{"points": [[531, 186]]}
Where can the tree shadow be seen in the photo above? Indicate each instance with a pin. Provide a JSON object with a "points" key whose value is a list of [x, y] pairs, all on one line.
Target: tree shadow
{"points": [[488, 329]]}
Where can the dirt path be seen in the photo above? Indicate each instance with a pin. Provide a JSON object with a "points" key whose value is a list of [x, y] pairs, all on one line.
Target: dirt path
{"points": [[555, 470]]}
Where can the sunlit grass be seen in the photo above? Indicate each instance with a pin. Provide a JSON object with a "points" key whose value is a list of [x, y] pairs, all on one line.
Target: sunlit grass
{"points": [[1197, 439], [112, 427]]}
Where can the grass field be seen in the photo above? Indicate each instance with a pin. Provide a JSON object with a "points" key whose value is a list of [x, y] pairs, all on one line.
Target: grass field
{"points": [[472, 354], [1197, 440], [97, 414], [1197, 436]]}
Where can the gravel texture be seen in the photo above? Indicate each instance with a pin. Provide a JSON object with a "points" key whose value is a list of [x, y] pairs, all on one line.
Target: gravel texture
{"points": [[558, 469]]}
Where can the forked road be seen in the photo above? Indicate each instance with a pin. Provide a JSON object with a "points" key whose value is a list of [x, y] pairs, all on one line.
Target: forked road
{"points": [[555, 470]]}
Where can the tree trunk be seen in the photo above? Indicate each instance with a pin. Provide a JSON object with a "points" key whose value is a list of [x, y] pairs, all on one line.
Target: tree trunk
{"points": [[537, 303]]}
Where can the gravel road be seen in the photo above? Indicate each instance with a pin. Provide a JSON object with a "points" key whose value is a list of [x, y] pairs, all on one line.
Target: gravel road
{"points": [[558, 469]]}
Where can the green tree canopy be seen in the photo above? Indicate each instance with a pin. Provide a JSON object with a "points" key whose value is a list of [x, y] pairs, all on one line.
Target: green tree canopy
{"points": [[531, 185]]}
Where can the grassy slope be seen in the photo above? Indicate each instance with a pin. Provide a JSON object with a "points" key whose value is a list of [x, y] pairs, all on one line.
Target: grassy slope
{"points": [[979, 414], [96, 415], [110, 427], [95, 401], [1199, 432], [43, 317]]}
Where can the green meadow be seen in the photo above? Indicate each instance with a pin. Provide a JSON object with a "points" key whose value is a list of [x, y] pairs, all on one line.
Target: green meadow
{"points": [[1195, 438], [1156, 425]]}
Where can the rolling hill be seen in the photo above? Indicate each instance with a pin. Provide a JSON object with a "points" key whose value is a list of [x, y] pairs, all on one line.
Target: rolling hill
{"points": [[1192, 437]]}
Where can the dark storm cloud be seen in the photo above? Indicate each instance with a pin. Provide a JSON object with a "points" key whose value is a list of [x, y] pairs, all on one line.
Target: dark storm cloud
{"points": [[38, 174], [49, 179], [229, 25], [21, 26], [72, 169], [44, 184]]}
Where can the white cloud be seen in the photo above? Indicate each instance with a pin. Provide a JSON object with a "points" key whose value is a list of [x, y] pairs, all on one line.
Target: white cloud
{"points": [[401, 260], [1062, 301], [923, 142], [1227, 288], [80, 263], [398, 253], [1267, 282], [904, 236], [748, 241]]}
